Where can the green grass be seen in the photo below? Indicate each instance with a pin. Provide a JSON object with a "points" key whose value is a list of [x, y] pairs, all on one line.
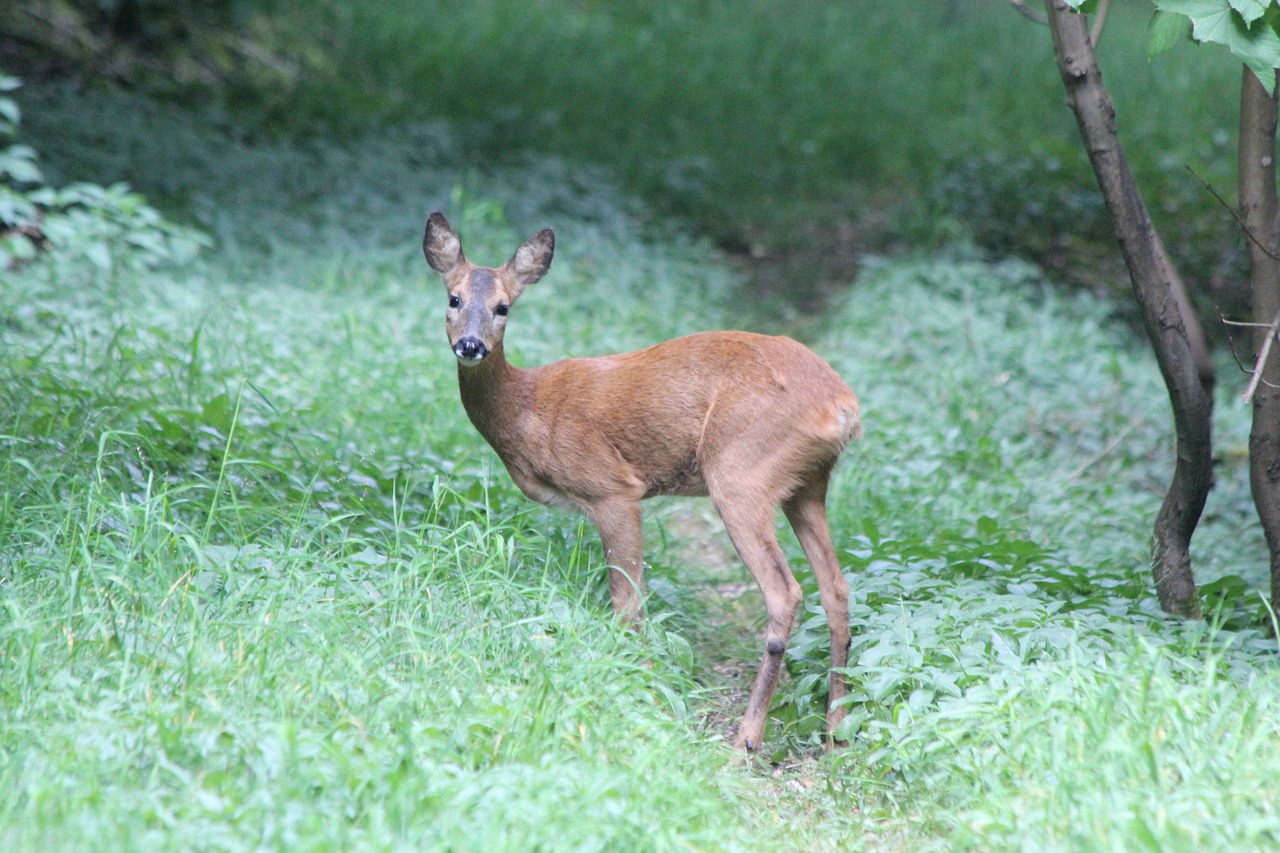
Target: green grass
{"points": [[772, 126], [314, 688], [802, 132], [263, 586]]}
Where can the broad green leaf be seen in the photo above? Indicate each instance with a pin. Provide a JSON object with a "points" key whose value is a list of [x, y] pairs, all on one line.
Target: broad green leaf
{"points": [[1211, 20], [15, 208], [20, 168], [1257, 46], [1165, 30], [1250, 10], [1261, 52]]}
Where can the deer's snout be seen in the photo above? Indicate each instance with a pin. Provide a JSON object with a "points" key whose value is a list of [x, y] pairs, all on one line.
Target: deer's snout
{"points": [[470, 350]]}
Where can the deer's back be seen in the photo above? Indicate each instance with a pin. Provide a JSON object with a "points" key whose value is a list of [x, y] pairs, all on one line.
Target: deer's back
{"points": [[657, 420]]}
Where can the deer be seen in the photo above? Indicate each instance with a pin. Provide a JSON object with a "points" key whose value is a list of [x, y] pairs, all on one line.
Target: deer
{"points": [[753, 421]]}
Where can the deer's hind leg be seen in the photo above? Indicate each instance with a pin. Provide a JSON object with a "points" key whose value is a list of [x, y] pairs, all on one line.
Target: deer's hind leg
{"points": [[749, 521], [806, 510]]}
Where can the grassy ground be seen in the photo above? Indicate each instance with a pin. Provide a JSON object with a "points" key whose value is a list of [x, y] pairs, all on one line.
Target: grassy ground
{"points": [[263, 586]]}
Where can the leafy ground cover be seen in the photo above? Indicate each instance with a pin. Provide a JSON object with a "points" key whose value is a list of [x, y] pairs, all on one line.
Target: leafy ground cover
{"points": [[263, 586]]}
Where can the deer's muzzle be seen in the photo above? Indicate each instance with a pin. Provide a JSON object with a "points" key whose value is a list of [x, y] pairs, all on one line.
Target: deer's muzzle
{"points": [[470, 350]]}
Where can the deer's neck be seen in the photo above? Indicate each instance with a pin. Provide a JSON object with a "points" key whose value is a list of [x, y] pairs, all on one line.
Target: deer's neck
{"points": [[494, 394]]}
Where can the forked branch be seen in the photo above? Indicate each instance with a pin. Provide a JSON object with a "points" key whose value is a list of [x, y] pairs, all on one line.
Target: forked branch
{"points": [[1095, 31], [1264, 353], [1027, 12]]}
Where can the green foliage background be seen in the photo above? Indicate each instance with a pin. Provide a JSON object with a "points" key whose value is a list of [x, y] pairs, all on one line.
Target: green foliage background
{"points": [[261, 585], [796, 133]]}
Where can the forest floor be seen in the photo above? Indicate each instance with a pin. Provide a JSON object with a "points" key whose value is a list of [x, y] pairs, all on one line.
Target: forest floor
{"points": [[264, 586]]}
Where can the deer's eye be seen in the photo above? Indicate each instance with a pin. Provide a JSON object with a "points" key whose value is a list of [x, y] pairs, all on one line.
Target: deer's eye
{"points": [[501, 310], [454, 301]]}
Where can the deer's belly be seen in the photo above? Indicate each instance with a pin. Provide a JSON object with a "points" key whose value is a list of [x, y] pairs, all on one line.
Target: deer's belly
{"points": [[685, 481]]}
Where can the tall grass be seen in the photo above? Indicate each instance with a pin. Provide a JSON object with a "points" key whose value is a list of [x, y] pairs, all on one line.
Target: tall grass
{"points": [[262, 584]]}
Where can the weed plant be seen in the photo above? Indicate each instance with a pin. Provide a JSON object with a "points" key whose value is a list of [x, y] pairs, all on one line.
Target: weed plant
{"points": [[263, 586]]}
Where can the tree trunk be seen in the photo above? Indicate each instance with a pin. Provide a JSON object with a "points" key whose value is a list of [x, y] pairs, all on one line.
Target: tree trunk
{"points": [[1261, 221], [1152, 278]]}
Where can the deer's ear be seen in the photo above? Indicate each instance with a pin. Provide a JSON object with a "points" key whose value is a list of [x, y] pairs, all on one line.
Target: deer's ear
{"points": [[532, 260], [440, 244]]}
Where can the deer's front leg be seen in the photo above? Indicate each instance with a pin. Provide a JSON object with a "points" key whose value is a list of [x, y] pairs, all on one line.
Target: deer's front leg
{"points": [[619, 524]]}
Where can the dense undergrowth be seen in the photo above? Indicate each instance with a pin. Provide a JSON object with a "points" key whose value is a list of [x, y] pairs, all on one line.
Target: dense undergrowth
{"points": [[807, 129], [801, 134], [262, 584]]}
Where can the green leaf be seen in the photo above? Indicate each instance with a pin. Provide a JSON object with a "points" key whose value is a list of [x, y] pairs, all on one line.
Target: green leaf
{"points": [[99, 254], [15, 247], [1165, 30], [1211, 20], [9, 111], [1262, 55], [16, 209], [1256, 45], [1250, 10], [218, 413]]}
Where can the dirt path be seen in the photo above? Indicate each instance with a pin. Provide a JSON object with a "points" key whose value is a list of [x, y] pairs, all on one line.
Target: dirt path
{"points": [[720, 603], [726, 617], [725, 605]]}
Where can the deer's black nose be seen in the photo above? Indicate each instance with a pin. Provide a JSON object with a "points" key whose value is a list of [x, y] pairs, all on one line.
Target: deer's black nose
{"points": [[470, 349]]}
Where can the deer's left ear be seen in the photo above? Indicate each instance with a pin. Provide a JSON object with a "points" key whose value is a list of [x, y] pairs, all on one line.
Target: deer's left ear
{"points": [[532, 260], [441, 244]]}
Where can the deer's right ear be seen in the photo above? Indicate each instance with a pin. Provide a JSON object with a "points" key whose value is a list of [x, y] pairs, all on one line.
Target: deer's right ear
{"points": [[440, 244]]}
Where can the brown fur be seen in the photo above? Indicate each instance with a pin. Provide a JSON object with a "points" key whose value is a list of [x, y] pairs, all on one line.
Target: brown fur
{"points": [[756, 422]]}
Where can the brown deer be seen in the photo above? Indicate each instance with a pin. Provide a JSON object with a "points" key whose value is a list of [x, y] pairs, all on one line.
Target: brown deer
{"points": [[756, 422]]}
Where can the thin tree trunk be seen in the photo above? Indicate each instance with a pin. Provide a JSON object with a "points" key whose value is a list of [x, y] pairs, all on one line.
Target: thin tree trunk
{"points": [[1260, 216], [1152, 279], [1195, 332]]}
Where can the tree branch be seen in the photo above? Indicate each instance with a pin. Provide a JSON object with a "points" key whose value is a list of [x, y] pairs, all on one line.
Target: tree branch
{"points": [[1248, 232], [1152, 277], [1099, 21], [1029, 13], [1095, 32], [1260, 220], [1260, 365]]}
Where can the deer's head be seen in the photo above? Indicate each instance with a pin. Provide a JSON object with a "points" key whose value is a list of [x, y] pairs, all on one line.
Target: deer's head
{"points": [[479, 297]]}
